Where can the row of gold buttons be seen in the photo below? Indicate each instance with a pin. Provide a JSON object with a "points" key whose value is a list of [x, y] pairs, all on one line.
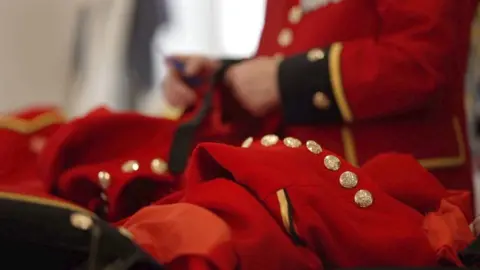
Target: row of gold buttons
{"points": [[320, 100], [285, 37], [348, 179], [157, 166]]}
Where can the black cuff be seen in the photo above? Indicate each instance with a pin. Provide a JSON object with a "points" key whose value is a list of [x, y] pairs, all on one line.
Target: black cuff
{"points": [[305, 89]]}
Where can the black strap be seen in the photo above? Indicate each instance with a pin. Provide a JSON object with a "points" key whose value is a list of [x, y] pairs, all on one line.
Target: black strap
{"points": [[185, 134]]}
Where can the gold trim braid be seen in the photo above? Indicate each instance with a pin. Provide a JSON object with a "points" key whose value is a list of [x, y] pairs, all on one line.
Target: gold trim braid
{"points": [[284, 211], [334, 59], [447, 162], [428, 163], [43, 201], [28, 126], [349, 146]]}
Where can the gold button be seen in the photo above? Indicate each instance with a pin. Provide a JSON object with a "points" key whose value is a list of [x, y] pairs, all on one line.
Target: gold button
{"points": [[348, 180], [332, 163], [285, 37], [158, 166], [363, 198], [103, 196], [279, 57], [104, 179], [248, 142], [321, 101], [123, 231], [130, 166], [292, 142], [81, 221], [295, 14], [315, 55], [269, 140], [314, 147]]}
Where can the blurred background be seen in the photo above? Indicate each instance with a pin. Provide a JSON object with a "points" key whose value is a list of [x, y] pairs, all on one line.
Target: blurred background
{"points": [[77, 54]]}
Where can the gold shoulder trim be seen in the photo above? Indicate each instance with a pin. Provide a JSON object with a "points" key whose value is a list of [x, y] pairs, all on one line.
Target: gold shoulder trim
{"points": [[25, 126], [334, 59], [349, 146], [43, 201]]}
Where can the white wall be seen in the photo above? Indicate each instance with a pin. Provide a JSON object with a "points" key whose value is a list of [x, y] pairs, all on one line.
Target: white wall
{"points": [[240, 25], [36, 41]]}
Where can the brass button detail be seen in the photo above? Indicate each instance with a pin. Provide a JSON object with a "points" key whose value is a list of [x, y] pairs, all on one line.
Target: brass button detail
{"points": [[248, 142], [104, 179], [123, 231], [363, 198], [314, 147], [315, 55], [103, 196], [285, 37], [158, 166], [81, 221], [332, 163], [348, 180], [295, 14], [321, 101], [130, 166], [292, 142], [269, 140]]}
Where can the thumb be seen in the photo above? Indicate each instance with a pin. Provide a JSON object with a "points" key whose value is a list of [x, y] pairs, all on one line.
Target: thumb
{"points": [[195, 66]]}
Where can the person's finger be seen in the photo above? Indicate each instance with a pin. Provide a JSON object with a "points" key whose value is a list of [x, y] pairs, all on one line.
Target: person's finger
{"points": [[195, 66], [192, 64], [179, 96], [178, 93]]}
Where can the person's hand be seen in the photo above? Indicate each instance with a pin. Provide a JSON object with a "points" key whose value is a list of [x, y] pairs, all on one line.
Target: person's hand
{"points": [[254, 84], [177, 92]]}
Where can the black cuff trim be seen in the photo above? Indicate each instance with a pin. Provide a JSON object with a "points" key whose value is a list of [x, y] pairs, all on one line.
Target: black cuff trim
{"points": [[305, 89]]}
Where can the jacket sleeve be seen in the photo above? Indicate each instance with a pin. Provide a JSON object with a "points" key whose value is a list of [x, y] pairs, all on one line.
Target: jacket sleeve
{"points": [[399, 69]]}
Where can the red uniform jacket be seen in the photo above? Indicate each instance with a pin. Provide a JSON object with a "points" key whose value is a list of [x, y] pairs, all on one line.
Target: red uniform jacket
{"points": [[367, 77], [270, 204], [23, 137], [293, 205]]}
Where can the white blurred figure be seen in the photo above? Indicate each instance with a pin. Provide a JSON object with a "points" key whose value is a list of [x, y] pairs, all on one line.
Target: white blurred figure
{"points": [[100, 76]]}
